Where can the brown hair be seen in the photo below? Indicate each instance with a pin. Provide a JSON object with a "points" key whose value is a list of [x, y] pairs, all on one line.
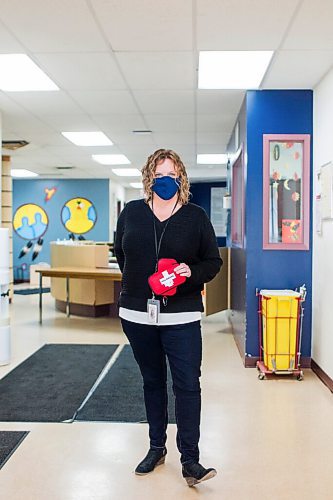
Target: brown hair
{"points": [[148, 172]]}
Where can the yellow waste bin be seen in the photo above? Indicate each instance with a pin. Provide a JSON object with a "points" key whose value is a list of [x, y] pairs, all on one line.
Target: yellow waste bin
{"points": [[280, 313]]}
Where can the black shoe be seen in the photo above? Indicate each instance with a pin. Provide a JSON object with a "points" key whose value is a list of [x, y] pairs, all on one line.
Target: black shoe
{"points": [[195, 473], [153, 458]]}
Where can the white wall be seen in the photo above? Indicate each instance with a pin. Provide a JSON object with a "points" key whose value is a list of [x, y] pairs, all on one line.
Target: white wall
{"points": [[119, 193], [322, 337], [116, 193], [133, 194]]}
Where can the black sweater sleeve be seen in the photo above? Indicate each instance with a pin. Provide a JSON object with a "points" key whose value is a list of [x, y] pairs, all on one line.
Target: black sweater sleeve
{"points": [[118, 246], [210, 260]]}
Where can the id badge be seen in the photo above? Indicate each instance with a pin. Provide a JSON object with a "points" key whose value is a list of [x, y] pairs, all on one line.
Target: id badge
{"points": [[153, 309]]}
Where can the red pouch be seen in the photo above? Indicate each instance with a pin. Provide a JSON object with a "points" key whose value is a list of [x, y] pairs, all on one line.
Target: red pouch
{"points": [[165, 281]]}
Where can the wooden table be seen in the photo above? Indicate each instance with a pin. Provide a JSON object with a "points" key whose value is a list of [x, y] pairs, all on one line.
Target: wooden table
{"points": [[85, 273]]}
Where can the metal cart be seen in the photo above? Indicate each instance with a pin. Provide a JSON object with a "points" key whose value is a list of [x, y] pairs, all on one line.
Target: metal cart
{"points": [[280, 315]]}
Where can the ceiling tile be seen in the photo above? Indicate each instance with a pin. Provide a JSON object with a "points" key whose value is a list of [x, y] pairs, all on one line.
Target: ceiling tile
{"points": [[8, 43], [171, 123], [42, 103], [119, 123], [312, 27], [216, 123], [242, 25], [297, 69], [174, 138], [131, 139], [219, 101], [97, 71], [71, 123], [218, 147], [105, 101], [53, 26], [213, 138], [155, 101], [136, 25], [158, 71]]}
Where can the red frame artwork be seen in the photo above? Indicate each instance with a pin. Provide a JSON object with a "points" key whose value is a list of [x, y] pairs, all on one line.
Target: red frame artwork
{"points": [[286, 191]]}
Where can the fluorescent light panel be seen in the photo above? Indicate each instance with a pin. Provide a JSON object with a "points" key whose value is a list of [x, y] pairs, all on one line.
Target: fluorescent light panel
{"points": [[88, 138], [111, 159], [136, 185], [212, 159], [21, 172], [233, 69], [19, 74], [126, 172]]}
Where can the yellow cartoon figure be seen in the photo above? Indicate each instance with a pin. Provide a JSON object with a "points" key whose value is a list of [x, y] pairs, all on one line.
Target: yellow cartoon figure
{"points": [[78, 215]]}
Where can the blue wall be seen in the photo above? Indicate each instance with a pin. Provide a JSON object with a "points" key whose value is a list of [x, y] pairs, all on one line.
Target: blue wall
{"points": [[201, 194], [32, 191], [273, 112]]}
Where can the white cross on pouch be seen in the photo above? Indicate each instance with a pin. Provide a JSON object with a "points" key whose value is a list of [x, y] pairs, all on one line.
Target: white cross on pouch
{"points": [[167, 279]]}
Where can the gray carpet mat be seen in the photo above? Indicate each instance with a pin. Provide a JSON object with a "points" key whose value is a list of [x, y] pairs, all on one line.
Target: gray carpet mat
{"points": [[51, 384], [31, 291], [9, 442], [119, 397]]}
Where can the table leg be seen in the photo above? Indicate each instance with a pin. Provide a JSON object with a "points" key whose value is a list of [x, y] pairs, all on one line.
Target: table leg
{"points": [[40, 298], [67, 296]]}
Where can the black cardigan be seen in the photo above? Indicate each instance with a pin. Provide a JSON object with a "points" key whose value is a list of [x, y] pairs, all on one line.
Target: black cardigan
{"points": [[189, 238]]}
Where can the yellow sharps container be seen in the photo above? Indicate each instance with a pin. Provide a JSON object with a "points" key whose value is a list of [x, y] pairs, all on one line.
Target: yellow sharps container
{"points": [[280, 312]]}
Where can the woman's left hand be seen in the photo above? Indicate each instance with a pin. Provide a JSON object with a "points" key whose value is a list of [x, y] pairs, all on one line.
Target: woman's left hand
{"points": [[183, 269]]}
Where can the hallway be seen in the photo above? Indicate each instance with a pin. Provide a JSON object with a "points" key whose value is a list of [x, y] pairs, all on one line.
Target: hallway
{"points": [[271, 440]]}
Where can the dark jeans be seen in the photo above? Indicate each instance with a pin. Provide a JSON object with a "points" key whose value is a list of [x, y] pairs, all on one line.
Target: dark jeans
{"points": [[182, 344]]}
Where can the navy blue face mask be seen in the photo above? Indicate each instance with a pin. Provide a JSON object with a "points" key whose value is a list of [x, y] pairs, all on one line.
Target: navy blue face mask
{"points": [[166, 187]]}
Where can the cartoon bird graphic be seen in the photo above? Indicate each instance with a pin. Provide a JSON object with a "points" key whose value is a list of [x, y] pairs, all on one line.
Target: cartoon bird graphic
{"points": [[78, 215], [49, 193]]}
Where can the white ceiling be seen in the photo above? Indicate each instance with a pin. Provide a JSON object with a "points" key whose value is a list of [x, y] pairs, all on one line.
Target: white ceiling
{"points": [[132, 64]]}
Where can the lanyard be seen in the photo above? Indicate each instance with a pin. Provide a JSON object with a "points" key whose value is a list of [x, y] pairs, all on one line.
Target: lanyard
{"points": [[158, 243]]}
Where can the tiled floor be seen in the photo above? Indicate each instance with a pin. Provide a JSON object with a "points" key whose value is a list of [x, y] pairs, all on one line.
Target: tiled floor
{"points": [[271, 440]]}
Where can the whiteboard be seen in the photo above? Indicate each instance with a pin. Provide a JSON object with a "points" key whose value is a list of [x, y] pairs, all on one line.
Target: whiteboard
{"points": [[326, 184]]}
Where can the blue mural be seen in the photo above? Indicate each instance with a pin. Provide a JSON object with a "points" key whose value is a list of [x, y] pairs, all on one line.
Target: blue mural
{"points": [[47, 210]]}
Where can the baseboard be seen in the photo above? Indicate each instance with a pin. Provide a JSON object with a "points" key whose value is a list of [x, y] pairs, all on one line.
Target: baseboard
{"points": [[251, 362], [326, 379]]}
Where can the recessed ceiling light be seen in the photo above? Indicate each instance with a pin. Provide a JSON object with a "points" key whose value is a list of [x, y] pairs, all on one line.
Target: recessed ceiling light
{"points": [[88, 138], [136, 185], [233, 69], [20, 74], [21, 172], [126, 172], [111, 159], [212, 159]]}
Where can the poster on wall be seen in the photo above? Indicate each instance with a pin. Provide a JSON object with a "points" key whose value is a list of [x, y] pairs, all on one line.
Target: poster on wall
{"points": [[30, 222], [218, 214], [78, 215]]}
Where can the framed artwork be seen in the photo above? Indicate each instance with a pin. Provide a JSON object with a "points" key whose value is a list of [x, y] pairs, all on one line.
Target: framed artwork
{"points": [[238, 201], [286, 192]]}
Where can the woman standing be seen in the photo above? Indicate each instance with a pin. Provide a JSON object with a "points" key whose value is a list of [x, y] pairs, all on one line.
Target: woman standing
{"points": [[166, 225]]}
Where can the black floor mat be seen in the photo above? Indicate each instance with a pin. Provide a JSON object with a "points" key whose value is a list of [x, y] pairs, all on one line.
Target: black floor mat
{"points": [[9, 442], [119, 397], [52, 383]]}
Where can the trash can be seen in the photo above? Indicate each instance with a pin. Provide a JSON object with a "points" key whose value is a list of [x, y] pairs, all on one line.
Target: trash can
{"points": [[280, 323]]}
